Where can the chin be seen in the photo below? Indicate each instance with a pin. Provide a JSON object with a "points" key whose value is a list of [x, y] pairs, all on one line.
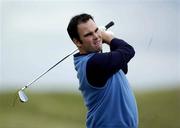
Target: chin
{"points": [[99, 49]]}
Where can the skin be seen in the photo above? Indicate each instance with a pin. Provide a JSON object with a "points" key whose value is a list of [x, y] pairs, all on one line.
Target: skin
{"points": [[91, 37]]}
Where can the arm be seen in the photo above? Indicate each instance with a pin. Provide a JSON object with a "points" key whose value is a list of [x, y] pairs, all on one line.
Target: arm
{"points": [[103, 65]]}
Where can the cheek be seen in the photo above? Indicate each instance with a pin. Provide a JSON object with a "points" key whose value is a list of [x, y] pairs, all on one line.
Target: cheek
{"points": [[88, 40]]}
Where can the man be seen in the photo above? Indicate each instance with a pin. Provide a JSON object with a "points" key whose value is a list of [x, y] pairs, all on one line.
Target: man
{"points": [[107, 95]]}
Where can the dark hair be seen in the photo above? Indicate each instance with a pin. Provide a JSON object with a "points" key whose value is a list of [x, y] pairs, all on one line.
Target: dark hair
{"points": [[72, 26]]}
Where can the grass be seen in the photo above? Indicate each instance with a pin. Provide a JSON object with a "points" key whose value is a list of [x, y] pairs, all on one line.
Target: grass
{"points": [[157, 109]]}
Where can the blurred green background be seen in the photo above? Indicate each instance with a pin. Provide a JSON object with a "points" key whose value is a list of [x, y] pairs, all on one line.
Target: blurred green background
{"points": [[157, 109]]}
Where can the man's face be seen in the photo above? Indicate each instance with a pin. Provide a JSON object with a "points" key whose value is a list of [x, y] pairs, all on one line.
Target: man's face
{"points": [[90, 37]]}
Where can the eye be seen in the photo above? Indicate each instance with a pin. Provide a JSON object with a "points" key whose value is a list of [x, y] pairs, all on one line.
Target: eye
{"points": [[91, 33], [88, 34], [96, 29]]}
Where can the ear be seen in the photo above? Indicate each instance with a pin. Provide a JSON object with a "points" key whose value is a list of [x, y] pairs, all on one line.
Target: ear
{"points": [[77, 42]]}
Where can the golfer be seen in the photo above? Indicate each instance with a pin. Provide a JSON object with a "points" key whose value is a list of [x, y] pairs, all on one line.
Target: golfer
{"points": [[107, 94]]}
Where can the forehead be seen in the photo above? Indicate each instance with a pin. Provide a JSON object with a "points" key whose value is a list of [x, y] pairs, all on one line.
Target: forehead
{"points": [[86, 27]]}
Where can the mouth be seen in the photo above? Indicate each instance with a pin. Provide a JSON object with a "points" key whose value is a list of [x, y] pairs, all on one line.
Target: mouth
{"points": [[98, 45]]}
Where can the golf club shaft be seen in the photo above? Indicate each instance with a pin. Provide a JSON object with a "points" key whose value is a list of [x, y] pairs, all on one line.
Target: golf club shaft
{"points": [[107, 26], [49, 69]]}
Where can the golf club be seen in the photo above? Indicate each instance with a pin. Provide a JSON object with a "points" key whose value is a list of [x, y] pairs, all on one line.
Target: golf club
{"points": [[23, 97]]}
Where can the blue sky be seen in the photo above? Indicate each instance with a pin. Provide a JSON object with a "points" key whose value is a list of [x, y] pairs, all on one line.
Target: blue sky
{"points": [[34, 37]]}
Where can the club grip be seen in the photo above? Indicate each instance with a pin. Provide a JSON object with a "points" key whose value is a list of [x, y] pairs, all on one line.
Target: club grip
{"points": [[109, 25]]}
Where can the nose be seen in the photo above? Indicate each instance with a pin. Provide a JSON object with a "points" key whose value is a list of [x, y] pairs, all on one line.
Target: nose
{"points": [[95, 36]]}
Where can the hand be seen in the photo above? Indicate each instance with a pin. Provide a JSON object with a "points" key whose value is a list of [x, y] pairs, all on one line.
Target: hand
{"points": [[107, 36]]}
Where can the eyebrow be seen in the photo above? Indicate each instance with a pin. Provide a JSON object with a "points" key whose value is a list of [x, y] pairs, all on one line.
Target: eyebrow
{"points": [[90, 33]]}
